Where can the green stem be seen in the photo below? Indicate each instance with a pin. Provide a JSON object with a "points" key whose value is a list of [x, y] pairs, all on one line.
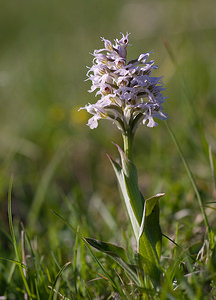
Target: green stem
{"points": [[128, 144]]}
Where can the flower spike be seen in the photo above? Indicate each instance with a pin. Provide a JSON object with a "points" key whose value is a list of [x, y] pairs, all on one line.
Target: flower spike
{"points": [[128, 93]]}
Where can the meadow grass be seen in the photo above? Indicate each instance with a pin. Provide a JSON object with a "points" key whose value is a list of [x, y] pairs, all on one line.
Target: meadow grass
{"points": [[57, 186]]}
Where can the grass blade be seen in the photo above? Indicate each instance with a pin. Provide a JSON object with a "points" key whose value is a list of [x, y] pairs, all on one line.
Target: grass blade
{"points": [[14, 239], [193, 184], [14, 261], [113, 283], [57, 277], [44, 184]]}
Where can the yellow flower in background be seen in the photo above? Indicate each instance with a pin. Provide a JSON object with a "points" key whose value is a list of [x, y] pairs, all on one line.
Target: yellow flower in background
{"points": [[58, 113], [78, 117]]}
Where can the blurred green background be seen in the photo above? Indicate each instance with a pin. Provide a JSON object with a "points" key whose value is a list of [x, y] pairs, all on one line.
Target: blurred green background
{"points": [[55, 159]]}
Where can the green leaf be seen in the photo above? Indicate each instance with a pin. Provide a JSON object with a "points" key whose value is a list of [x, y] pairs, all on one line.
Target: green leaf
{"points": [[151, 202], [89, 248], [108, 248], [122, 184], [128, 182], [119, 255], [131, 183], [144, 216], [150, 238]]}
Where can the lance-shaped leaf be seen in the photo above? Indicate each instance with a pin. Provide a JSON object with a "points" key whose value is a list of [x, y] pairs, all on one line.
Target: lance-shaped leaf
{"points": [[131, 183], [124, 190], [119, 255], [108, 248], [128, 182], [150, 237]]}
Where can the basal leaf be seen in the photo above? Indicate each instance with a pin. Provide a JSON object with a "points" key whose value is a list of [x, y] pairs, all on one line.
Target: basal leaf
{"points": [[150, 238], [118, 254], [151, 202]]}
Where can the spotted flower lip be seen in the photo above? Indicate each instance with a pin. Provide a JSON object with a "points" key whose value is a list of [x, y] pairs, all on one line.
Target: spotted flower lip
{"points": [[129, 95]]}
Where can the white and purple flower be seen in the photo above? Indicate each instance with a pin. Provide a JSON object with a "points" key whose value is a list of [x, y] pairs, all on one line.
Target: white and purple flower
{"points": [[128, 93]]}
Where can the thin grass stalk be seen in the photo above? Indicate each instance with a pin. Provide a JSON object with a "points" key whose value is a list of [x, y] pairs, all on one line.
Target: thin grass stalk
{"points": [[211, 161], [75, 262], [188, 98], [14, 238], [192, 182], [113, 282], [57, 278], [59, 267], [24, 259], [36, 289]]}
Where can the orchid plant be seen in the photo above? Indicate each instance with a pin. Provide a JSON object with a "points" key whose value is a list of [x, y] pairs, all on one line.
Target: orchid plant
{"points": [[129, 96]]}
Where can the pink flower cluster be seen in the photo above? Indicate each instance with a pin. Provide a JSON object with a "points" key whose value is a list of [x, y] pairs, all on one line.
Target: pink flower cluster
{"points": [[128, 93]]}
